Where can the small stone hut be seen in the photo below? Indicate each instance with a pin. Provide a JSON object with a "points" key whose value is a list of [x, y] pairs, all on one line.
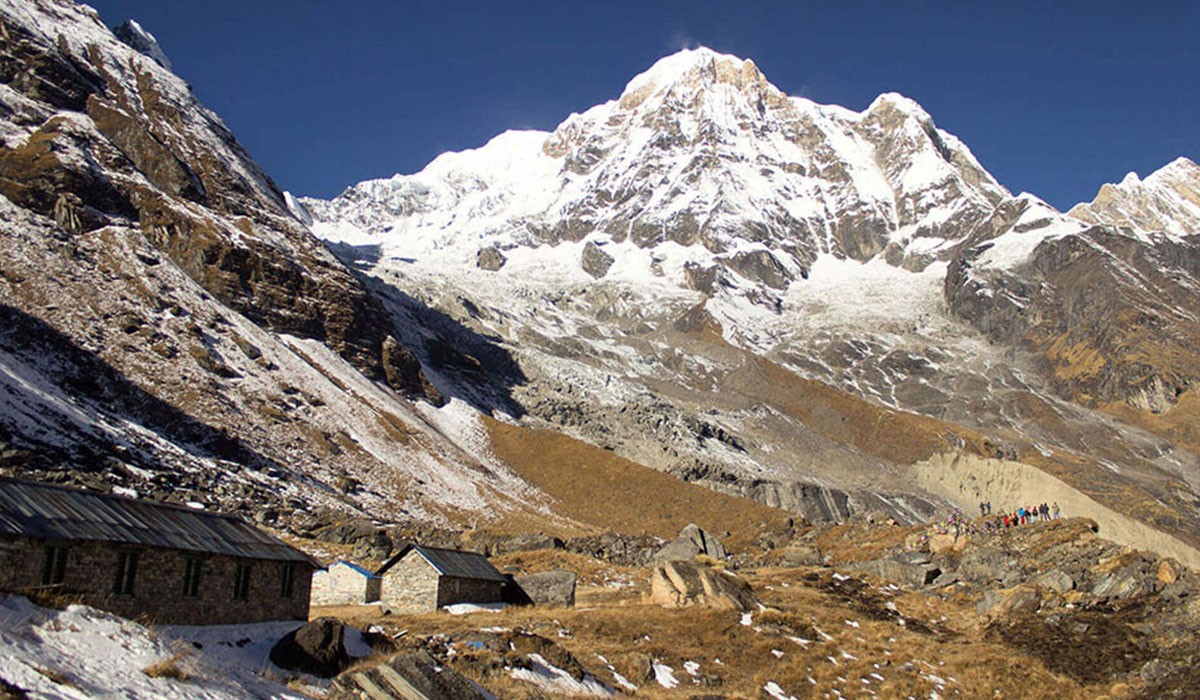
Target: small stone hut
{"points": [[344, 583], [132, 557], [424, 579]]}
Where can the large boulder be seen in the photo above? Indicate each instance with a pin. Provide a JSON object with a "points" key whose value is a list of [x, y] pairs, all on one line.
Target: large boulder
{"points": [[898, 571], [317, 648], [554, 588], [406, 677], [691, 543], [683, 584], [1058, 581], [942, 544]]}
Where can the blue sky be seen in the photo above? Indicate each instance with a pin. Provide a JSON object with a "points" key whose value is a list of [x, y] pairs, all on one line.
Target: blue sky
{"points": [[1053, 98]]}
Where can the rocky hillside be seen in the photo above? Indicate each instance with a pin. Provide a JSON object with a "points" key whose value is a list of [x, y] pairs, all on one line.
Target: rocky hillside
{"points": [[798, 302], [1046, 610], [170, 328]]}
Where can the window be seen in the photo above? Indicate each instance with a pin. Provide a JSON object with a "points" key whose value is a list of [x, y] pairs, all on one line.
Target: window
{"points": [[126, 572], [287, 575], [241, 582], [54, 568], [191, 576]]}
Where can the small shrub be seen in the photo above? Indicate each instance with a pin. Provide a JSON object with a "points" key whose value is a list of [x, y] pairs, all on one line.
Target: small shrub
{"points": [[171, 667], [57, 677]]}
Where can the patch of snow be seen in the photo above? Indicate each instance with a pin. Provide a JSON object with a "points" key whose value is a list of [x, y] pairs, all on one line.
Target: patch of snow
{"points": [[81, 652], [774, 690], [665, 675], [555, 680], [471, 608]]}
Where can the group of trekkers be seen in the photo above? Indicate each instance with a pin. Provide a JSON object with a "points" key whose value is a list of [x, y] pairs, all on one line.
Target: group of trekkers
{"points": [[1023, 514], [987, 524]]}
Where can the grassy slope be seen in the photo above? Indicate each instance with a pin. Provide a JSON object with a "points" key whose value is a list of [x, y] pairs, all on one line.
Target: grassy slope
{"points": [[597, 487]]}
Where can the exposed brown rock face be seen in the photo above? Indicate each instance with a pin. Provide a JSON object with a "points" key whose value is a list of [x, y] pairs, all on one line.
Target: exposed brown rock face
{"points": [[1111, 315], [133, 144]]}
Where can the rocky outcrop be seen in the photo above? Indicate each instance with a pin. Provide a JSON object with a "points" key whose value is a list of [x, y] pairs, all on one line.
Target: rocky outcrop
{"points": [[912, 572], [547, 588], [760, 266], [616, 548], [403, 372], [685, 584], [490, 259], [594, 260], [416, 676], [692, 542]]}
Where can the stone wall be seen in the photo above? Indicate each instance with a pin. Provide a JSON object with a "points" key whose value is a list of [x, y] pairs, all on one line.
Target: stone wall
{"points": [[343, 585], [453, 590], [158, 587], [410, 586]]}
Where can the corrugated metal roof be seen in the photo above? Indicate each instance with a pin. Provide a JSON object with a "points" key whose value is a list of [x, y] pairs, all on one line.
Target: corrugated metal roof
{"points": [[450, 562], [61, 513]]}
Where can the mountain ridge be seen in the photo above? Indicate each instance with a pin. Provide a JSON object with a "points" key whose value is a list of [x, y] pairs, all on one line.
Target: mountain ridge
{"points": [[867, 251]]}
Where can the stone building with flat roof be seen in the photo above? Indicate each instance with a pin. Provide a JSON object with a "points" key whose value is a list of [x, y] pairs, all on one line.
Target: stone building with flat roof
{"points": [[136, 558], [424, 579]]}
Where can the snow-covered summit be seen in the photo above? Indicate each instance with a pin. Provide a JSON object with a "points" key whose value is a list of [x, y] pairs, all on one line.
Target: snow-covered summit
{"points": [[695, 69], [702, 164], [1165, 201]]}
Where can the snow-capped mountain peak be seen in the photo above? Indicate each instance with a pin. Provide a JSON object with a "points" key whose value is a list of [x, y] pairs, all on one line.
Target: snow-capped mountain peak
{"points": [[692, 70], [702, 164], [1165, 201]]}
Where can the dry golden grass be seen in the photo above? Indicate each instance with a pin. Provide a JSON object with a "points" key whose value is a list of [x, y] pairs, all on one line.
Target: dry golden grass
{"points": [[171, 667], [859, 541], [809, 642], [897, 436], [597, 487], [1180, 425]]}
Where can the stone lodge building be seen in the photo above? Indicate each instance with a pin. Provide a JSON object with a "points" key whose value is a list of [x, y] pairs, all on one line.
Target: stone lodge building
{"points": [[136, 558], [344, 583], [423, 579]]}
